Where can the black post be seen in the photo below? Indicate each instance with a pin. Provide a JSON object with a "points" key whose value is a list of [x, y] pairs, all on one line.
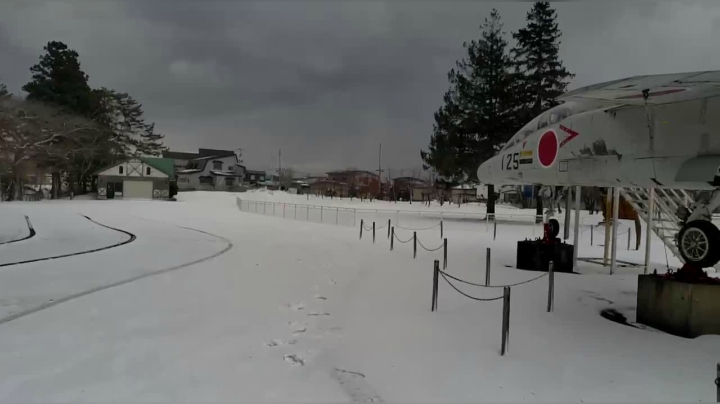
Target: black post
{"points": [[717, 382], [441, 228], [388, 228], [444, 253], [487, 268], [551, 287], [414, 244], [436, 276], [592, 233], [506, 321], [494, 230], [392, 238], [538, 206], [361, 228], [373, 232]]}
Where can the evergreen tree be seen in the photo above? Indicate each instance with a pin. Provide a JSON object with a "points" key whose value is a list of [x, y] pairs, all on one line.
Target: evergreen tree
{"points": [[536, 57], [58, 79], [124, 115], [479, 115], [3, 90]]}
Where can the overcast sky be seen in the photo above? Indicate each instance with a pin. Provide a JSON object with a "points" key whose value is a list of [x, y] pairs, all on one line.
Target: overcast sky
{"points": [[326, 81]]}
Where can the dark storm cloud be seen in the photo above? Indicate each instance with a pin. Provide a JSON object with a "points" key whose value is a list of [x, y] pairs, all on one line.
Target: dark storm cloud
{"points": [[326, 81]]}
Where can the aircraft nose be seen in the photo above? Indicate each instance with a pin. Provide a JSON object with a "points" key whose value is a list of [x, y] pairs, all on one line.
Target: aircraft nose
{"points": [[485, 171]]}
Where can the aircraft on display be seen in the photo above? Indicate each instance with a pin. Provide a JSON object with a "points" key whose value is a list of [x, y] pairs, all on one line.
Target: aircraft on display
{"points": [[659, 131]]}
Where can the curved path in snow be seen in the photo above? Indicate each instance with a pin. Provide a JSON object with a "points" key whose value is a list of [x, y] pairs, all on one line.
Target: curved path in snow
{"points": [[131, 238]]}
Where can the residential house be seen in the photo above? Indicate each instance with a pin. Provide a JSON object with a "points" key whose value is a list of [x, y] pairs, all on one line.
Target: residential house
{"points": [[221, 172], [329, 187], [357, 181], [136, 178], [407, 187], [254, 177], [181, 159]]}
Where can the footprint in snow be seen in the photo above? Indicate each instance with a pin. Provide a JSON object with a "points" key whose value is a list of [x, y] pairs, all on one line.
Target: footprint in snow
{"points": [[299, 331], [280, 342], [319, 297], [318, 314], [294, 307], [294, 359]]}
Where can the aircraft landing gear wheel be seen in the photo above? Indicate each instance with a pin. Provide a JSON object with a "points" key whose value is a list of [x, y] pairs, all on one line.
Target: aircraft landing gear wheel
{"points": [[699, 243], [554, 227]]}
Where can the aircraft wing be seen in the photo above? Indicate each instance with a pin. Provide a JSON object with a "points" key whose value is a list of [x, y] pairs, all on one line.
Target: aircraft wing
{"points": [[661, 88]]}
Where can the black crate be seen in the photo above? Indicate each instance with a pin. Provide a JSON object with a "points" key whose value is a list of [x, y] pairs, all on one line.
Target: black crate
{"points": [[535, 255]]}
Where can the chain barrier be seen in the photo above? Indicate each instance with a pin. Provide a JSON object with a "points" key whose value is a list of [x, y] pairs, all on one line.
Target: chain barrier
{"points": [[400, 241], [427, 249], [424, 228], [443, 274], [493, 286], [381, 227]]}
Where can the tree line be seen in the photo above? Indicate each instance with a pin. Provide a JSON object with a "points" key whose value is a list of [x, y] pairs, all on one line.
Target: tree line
{"points": [[494, 91], [66, 128]]}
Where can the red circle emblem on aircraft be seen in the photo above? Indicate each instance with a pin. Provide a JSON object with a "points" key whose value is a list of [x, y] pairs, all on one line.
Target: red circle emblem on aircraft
{"points": [[547, 149]]}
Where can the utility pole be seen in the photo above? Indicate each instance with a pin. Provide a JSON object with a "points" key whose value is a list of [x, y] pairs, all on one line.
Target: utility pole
{"points": [[380, 171], [279, 167]]}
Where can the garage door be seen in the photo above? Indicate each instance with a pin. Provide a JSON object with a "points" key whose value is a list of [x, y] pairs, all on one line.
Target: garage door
{"points": [[137, 189]]}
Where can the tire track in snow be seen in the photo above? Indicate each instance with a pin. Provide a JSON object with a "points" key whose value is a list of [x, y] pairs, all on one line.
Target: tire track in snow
{"points": [[122, 282], [31, 235], [130, 240]]}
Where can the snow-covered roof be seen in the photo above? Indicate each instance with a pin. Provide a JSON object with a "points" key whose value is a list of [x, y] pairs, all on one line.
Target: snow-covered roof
{"points": [[190, 171]]}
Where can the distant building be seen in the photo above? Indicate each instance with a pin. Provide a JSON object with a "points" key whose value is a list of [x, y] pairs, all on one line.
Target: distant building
{"points": [[254, 177], [358, 182], [181, 159], [136, 178], [213, 172], [407, 187]]}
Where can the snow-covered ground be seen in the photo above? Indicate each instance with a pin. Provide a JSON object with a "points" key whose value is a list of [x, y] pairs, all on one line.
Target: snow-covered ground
{"points": [[261, 308]]}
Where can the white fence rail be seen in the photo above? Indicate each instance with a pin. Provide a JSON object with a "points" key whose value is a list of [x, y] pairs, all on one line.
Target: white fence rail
{"points": [[351, 217]]}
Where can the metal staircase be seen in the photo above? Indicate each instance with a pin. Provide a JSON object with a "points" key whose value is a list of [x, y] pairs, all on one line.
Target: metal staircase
{"points": [[665, 223]]}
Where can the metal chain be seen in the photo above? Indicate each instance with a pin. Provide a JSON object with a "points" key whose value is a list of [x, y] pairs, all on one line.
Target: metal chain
{"points": [[425, 228], [403, 242], [427, 249], [493, 286], [465, 294]]}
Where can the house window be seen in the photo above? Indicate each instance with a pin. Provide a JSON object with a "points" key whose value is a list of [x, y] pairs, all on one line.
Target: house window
{"points": [[147, 171], [229, 181], [120, 169], [206, 180], [217, 165], [252, 177]]}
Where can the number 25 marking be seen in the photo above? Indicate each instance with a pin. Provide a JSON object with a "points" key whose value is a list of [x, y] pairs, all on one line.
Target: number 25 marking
{"points": [[510, 161]]}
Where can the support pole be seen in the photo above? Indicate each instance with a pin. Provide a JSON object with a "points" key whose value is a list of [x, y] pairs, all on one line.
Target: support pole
{"points": [[441, 228], [592, 234], [616, 209], [566, 226], [551, 287], [648, 232], [361, 228], [373, 232], [629, 232], [388, 228], [414, 244], [487, 268], [494, 230], [506, 321], [436, 276], [576, 232], [608, 219], [392, 238], [444, 253]]}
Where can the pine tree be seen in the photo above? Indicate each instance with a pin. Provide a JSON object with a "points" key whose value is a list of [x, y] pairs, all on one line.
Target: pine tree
{"points": [[536, 57], [58, 79], [479, 115], [124, 115]]}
